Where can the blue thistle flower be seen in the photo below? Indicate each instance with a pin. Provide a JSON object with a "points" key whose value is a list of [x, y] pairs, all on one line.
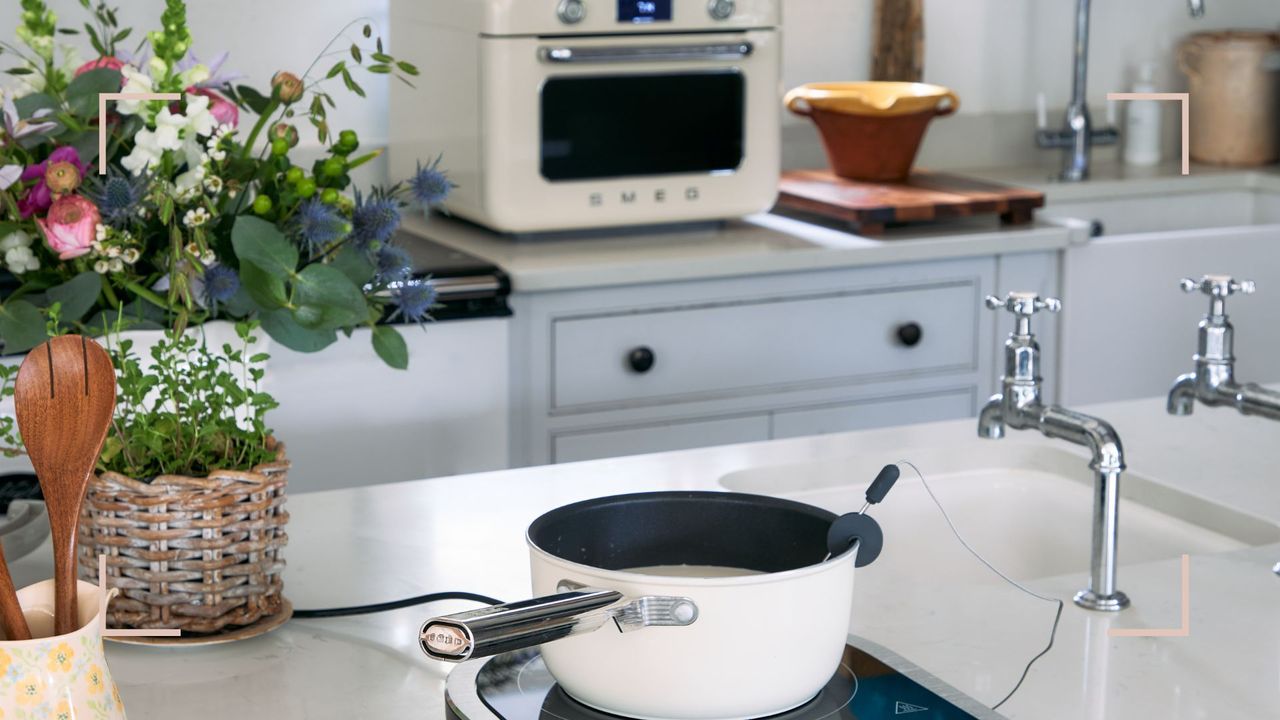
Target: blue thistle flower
{"points": [[221, 283], [316, 225], [393, 264], [118, 197], [374, 220], [430, 185], [413, 301]]}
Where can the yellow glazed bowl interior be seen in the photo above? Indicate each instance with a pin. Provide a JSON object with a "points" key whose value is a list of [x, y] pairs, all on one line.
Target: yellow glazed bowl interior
{"points": [[871, 98]]}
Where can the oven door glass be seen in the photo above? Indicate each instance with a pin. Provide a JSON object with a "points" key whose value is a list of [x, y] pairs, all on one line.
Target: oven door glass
{"points": [[629, 125]]}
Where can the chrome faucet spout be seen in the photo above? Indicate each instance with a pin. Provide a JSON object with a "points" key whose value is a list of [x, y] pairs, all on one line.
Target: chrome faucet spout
{"points": [[1019, 406], [991, 418], [1253, 399], [1196, 7], [1182, 396]]}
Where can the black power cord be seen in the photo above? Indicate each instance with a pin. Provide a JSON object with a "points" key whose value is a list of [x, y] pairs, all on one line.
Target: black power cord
{"points": [[395, 605]]}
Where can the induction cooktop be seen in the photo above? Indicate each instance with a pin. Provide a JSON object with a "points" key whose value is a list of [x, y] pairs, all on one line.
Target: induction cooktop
{"points": [[873, 683]]}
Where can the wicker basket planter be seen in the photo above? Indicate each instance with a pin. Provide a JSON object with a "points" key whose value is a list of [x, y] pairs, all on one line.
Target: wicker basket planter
{"points": [[203, 555]]}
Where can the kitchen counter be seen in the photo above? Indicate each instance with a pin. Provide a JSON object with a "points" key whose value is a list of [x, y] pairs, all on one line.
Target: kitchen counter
{"points": [[1110, 179], [762, 243], [391, 541]]}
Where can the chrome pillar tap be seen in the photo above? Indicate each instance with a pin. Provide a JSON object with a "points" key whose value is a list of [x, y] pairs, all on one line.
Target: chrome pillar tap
{"points": [[1213, 382], [1019, 406]]}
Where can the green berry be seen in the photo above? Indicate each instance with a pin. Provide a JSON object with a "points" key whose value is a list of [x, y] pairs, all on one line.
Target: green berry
{"points": [[306, 188], [329, 196], [262, 205], [294, 175], [333, 167], [348, 141], [279, 146]]}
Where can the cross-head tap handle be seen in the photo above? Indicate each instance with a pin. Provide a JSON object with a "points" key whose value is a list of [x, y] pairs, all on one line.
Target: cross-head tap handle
{"points": [[1023, 305], [1218, 288]]}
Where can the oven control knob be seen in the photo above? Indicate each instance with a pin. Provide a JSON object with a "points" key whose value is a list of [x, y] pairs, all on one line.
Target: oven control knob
{"points": [[571, 11], [720, 9]]}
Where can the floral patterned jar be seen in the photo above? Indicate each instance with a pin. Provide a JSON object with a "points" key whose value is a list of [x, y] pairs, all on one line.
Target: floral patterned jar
{"points": [[60, 677]]}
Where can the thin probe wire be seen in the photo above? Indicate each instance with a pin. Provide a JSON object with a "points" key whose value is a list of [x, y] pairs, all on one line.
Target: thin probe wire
{"points": [[1053, 632]]}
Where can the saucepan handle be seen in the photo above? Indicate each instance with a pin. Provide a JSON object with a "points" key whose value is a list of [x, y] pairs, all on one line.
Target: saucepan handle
{"points": [[502, 628]]}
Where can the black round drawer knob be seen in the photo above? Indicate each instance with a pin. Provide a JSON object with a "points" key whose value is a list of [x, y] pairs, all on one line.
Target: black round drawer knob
{"points": [[909, 334], [640, 359]]}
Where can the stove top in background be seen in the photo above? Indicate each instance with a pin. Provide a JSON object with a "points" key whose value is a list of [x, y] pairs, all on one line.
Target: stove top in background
{"points": [[468, 286], [872, 683]]}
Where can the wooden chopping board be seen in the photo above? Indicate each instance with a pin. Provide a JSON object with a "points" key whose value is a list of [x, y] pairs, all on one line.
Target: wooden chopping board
{"points": [[897, 46], [868, 206]]}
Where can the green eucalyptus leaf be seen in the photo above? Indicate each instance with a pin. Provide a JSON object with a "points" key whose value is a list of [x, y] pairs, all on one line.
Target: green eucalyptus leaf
{"points": [[27, 105], [282, 328], [257, 241], [22, 327], [253, 99], [264, 289], [390, 346], [82, 93], [77, 295], [354, 263], [325, 299]]}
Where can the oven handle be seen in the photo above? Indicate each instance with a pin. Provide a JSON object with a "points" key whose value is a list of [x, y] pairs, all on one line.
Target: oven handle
{"points": [[646, 53]]}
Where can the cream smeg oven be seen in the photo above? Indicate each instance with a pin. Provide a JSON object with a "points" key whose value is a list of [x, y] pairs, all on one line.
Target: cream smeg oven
{"points": [[561, 114]]}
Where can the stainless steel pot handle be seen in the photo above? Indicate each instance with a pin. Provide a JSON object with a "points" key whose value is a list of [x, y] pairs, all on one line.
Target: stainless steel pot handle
{"points": [[502, 628]]}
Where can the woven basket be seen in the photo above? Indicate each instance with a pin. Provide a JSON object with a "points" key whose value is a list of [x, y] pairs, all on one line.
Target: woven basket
{"points": [[201, 555]]}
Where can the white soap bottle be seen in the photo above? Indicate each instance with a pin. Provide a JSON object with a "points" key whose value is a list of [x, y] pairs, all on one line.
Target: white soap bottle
{"points": [[1142, 122]]}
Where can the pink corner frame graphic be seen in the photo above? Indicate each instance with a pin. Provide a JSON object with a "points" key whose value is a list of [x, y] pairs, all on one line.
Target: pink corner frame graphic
{"points": [[1185, 99], [1183, 631], [102, 611], [103, 98]]}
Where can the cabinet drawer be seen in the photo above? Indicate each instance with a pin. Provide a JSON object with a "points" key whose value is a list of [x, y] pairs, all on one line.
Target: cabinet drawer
{"points": [[877, 412], [676, 435], [764, 345]]}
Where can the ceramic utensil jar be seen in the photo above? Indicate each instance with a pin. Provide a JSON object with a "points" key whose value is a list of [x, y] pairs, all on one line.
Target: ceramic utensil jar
{"points": [[872, 130], [58, 676]]}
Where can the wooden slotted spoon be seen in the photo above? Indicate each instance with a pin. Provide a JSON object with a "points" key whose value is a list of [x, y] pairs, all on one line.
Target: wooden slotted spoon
{"points": [[65, 395]]}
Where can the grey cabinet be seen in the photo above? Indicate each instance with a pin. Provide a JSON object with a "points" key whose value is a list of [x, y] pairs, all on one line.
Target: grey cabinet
{"points": [[621, 370]]}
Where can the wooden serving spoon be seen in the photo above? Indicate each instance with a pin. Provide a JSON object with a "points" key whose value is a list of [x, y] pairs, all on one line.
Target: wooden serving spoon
{"points": [[11, 617], [65, 395]]}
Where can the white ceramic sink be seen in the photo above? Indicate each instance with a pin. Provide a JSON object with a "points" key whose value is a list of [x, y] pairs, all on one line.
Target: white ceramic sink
{"points": [[1025, 507], [1177, 211]]}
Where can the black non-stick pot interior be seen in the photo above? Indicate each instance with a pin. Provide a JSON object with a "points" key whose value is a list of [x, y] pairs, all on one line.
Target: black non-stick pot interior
{"points": [[752, 532]]}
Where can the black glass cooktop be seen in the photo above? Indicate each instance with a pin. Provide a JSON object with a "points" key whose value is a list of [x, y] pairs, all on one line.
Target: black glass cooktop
{"points": [[871, 684]]}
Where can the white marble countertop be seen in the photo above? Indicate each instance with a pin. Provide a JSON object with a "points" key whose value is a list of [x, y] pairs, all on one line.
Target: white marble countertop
{"points": [[767, 243], [466, 533]]}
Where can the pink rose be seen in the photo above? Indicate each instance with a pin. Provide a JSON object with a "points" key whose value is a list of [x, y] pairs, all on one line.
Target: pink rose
{"points": [[222, 109], [71, 226], [102, 62]]}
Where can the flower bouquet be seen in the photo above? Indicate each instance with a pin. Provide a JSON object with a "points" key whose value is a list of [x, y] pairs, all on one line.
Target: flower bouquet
{"points": [[165, 214]]}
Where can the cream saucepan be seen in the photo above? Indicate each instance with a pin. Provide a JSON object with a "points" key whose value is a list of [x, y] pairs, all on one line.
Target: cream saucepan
{"points": [[680, 605]]}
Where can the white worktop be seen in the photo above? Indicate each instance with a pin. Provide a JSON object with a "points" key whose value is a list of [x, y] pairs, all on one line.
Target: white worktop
{"points": [[767, 243], [466, 533]]}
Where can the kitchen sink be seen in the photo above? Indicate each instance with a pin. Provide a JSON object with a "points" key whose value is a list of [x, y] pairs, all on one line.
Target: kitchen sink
{"points": [[1173, 211], [1026, 508]]}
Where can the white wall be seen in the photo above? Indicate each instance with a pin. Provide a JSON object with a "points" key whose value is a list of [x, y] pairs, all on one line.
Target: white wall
{"points": [[997, 54]]}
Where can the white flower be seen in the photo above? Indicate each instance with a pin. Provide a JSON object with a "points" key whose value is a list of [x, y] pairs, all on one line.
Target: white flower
{"points": [[195, 75], [101, 267], [208, 258], [113, 251], [116, 265], [213, 184], [131, 255], [15, 239], [218, 155], [169, 127], [195, 217], [145, 154], [158, 67], [20, 259], [100, 232], [198, 115], [135, 82]]}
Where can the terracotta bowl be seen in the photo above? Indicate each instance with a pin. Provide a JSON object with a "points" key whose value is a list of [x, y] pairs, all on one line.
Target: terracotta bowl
{"points": [[872, 130]]}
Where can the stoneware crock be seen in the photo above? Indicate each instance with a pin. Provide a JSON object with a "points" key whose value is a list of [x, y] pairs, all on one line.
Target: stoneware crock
{"points": [[872, 130], [62, 677]]}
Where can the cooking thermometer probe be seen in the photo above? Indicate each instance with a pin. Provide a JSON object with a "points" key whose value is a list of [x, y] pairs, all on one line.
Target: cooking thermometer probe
{"points": [[860, 527]]}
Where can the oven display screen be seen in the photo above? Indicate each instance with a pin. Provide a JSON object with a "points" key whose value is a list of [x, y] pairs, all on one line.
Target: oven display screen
{"points": [[643, 11]]}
